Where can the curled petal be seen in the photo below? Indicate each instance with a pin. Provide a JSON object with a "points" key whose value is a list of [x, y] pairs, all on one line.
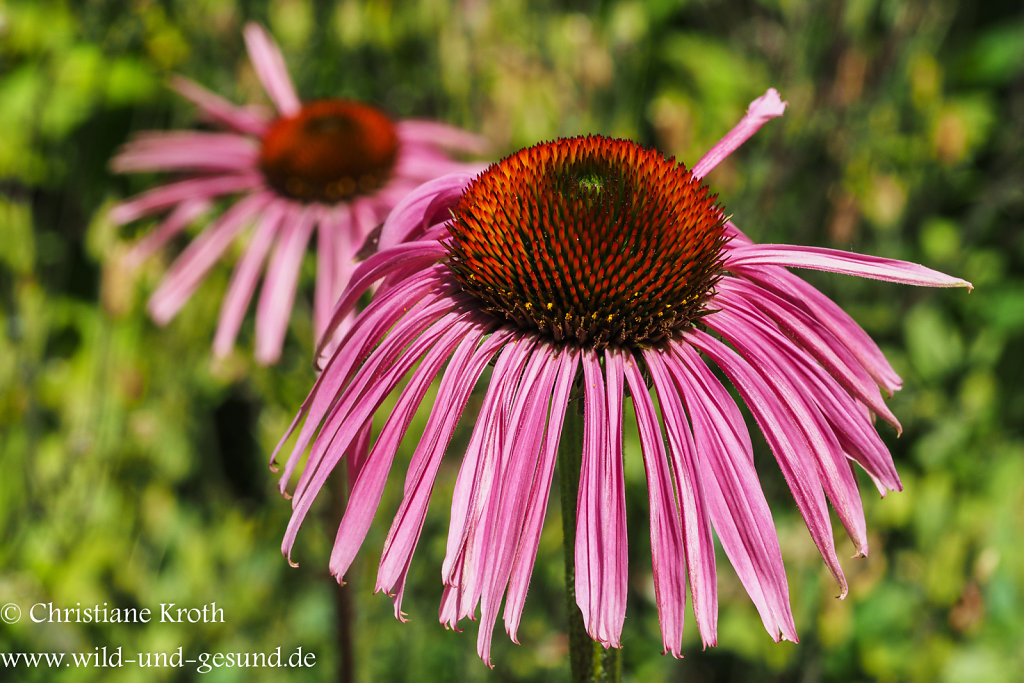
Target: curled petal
{"points": [[760, 111]]}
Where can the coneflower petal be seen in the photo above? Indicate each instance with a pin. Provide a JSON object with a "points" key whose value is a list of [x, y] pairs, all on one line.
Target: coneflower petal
{"points": [[786, 440], [506, 512], [171, 194], [522, 568], [180, 218], [187, 151], [368, 487], [601, 562], [191, 266], [763, 109], [739, 512], [845, 262], [270, 68], [814, 338], [699, 552], [750, 334], [220, 110], [453, 393], [281, 283], [666, 525], [245, 277]]}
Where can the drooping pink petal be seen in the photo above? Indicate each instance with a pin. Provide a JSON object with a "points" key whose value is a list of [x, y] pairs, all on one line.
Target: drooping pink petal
{"points": [[851, 425], [192, 189], [340, 429], [191, 266], [760, 111], [181, 217], [359, 451], [273, 310], [752, 334], [453, 393], [219, 109], [270, 67], [666, 526], [816, 340], [836, 261], [366, 337], [601, 563], [245, 277], [375, 378], [739, 512], [526, 554], [412, 297], [699, 551], [506, 512], [476, 475], [410, 256], [368, 486], [802, 294], [785, 439]]}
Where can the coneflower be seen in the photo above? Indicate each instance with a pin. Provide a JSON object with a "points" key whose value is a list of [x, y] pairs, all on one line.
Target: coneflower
{"points": [[333, 167], [595, 268]]}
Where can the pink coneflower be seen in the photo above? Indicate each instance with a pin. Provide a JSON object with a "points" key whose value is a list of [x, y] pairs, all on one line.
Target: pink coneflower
{"points": [[334, 167], [595, 267]]}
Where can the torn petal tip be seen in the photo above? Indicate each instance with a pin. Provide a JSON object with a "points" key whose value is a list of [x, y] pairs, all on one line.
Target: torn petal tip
{"points": [[768, 105]]}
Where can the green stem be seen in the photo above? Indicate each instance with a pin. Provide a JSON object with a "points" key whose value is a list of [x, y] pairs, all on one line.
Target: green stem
{"points": [[344, 605], [589, 660]]}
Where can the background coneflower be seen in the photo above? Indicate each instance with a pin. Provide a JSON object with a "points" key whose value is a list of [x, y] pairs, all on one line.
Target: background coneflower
{"points": [[596, 268], [333, 167]]}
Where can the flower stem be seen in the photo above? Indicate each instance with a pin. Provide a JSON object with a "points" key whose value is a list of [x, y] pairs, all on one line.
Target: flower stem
{"points": [[344, 604], [589, 660]]}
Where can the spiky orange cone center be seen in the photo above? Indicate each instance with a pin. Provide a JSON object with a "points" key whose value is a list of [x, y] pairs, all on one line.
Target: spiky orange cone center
{"points": [[589, 241]]}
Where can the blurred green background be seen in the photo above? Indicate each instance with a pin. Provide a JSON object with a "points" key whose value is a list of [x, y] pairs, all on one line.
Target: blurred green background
{"points": [[134, 468]]}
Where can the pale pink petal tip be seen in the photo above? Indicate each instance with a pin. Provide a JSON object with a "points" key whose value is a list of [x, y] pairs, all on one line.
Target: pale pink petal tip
{"points": [[767, 106]]}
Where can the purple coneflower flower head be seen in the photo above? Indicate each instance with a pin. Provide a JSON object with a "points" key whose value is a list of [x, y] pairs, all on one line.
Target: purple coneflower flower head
{"points": [[595, 267], [332, 167]]}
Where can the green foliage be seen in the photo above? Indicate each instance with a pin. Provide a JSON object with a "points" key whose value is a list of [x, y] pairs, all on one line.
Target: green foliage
{"points": [[134, 466]]}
